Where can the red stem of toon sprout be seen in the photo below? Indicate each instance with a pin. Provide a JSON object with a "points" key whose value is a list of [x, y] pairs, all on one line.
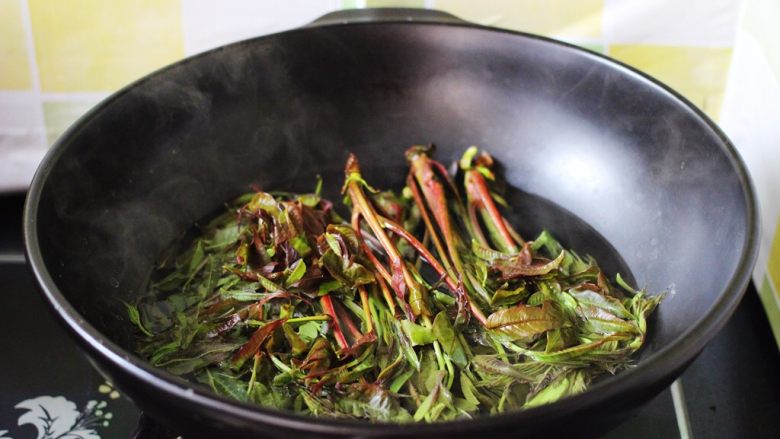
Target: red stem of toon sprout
{"points": [[476, 184], [353, 330], [367, 250], [417, 196], [381, 273], [472, 210], [400, 274], [451, 283], [424, 170], [424, 252], [327, 307]]}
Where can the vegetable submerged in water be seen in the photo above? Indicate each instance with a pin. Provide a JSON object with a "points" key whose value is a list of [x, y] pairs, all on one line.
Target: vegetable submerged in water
{"points": [[424, 306]]}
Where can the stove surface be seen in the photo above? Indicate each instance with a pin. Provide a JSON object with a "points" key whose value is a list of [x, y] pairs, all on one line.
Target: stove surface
{"points": [[48, 389]]}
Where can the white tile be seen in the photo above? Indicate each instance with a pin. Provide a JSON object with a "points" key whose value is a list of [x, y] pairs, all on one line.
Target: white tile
{"points": [[22, 139], [208, 24], [706, 23]]}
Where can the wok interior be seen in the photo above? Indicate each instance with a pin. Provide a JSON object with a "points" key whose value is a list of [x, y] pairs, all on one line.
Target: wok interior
{"points": [[610, 163]]}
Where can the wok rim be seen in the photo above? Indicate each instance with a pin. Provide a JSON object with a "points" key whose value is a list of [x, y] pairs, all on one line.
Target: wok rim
{"points": [[657, 367]]}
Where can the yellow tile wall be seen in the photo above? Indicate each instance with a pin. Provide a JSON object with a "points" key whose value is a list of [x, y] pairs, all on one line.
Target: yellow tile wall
{"points": [[562, 18], [14, 64], [698, 73], [96, 45]]}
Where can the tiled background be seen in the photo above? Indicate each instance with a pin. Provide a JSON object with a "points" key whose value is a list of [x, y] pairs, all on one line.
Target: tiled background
{"points": [[751, 117], [58, 58]]}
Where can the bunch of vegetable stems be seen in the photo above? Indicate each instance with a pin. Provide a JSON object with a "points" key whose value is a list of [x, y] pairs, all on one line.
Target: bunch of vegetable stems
{"points": [[425, 305]]}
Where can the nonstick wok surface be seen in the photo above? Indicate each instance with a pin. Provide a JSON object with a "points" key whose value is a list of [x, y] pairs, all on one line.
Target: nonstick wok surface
{"points": [[613, 163]]}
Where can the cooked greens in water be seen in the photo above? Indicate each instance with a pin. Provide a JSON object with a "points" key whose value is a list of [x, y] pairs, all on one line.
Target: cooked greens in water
{"points": [[421, 306]]}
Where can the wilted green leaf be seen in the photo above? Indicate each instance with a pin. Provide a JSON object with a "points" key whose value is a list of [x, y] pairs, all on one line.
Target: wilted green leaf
{"points": [[297, 270], [509, 296], [135, 318], [522, 322], [417, 334], [565, 384], [600, 321], [227, 385], [610, 304], [445, 333]]}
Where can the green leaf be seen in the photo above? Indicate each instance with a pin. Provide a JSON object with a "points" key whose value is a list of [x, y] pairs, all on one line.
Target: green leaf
{"points": [[417, 334], [301, 245], [198, 256], [594, 299], [187, 329], [566, 303], [346, 271], [487, 254], [523, 372], [600, 321], [537, 298], [400, 380], [242, 295], [468, 157], [265, 202], [391, 369], [172, 281], [468, 389], [430, 400], [443, 298], [509, 296], [565, 384], [623, 284], [547, 242], [578, 355], [227, 385], [298, 347], [268, 284], [198, 357], [372, 401], [522, 322], [417, 300], [211, 274], [641, 306], [223, 238], [328, 286], [270, 396], [309, 331], [318, 406], [318, 186], [333, 243], [406, 346], [558, 339], [296, 272], [513, 268], [356, 177], [135, 318], [347, 235], [445, 333]]}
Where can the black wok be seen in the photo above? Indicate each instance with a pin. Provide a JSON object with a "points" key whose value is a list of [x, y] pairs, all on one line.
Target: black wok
{"points": [[614, 163]]}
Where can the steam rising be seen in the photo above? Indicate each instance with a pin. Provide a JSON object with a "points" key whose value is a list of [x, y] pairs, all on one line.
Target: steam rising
{"points": [[279, 110]]}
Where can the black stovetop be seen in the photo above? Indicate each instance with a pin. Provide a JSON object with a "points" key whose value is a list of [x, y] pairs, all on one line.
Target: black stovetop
{"points": [[731, 391]]}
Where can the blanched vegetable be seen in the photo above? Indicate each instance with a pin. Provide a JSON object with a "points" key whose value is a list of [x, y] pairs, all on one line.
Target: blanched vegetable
{"points": [[425, 306]]}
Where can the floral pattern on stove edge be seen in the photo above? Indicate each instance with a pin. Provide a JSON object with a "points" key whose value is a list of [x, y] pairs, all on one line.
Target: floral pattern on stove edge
{"points": [[56, 417]]}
